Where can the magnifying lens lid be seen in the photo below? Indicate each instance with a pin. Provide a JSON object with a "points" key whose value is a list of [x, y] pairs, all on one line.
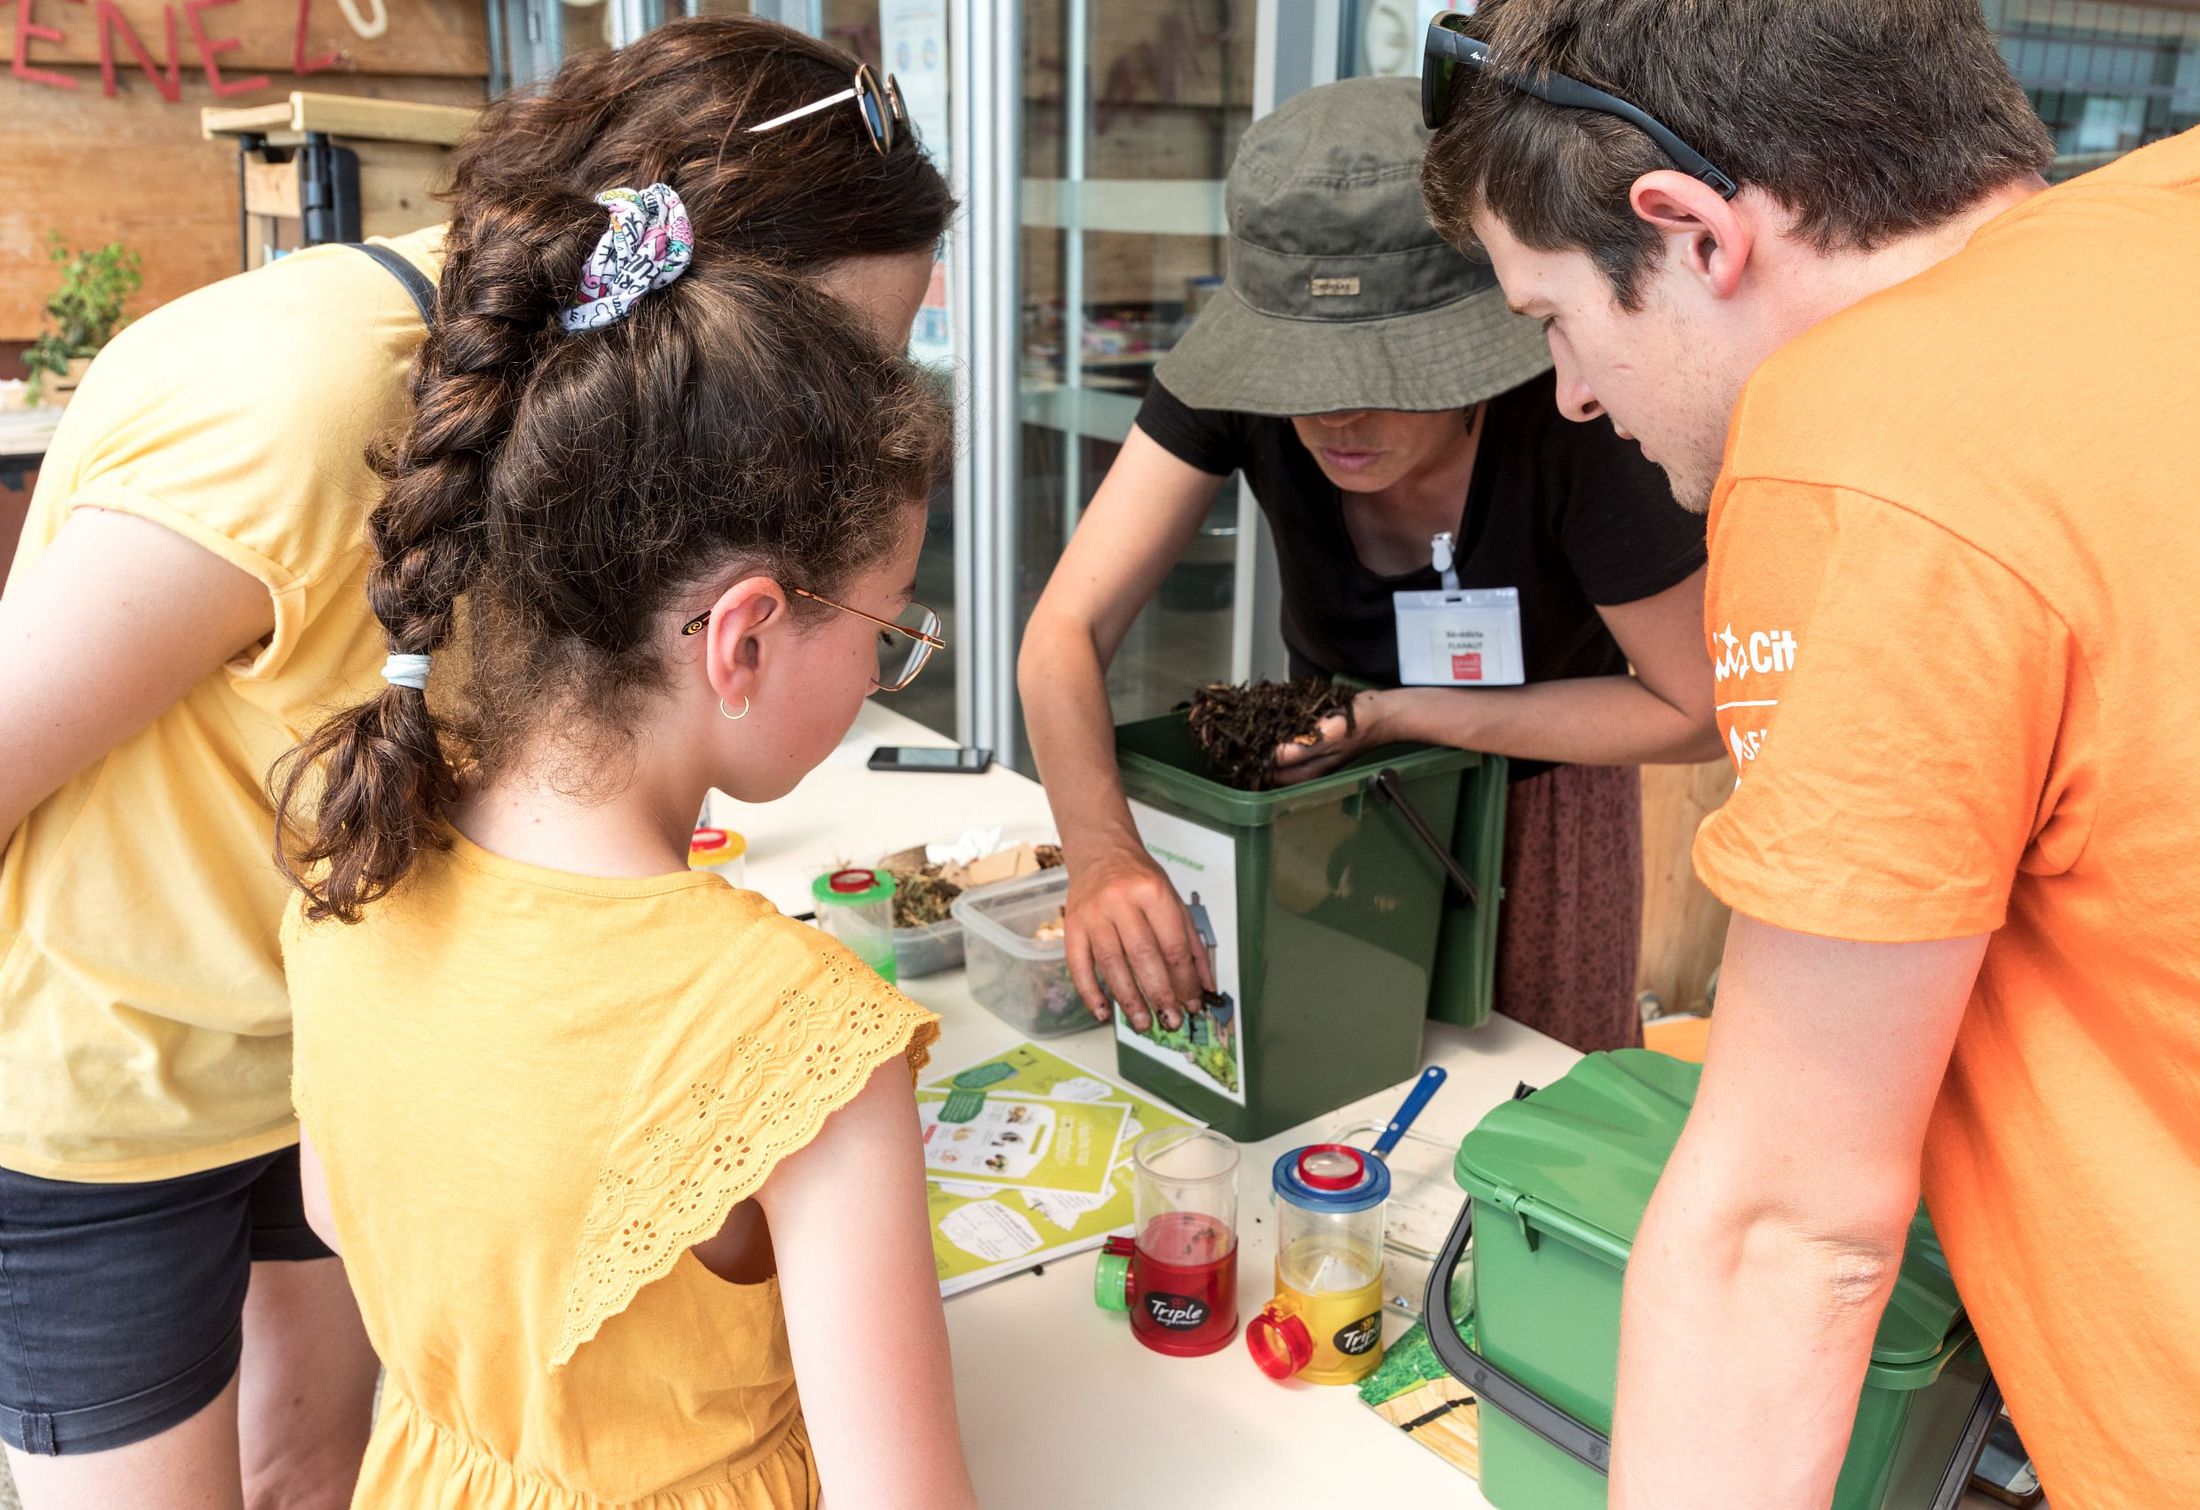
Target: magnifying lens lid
{"points": [[1332, 1177]]}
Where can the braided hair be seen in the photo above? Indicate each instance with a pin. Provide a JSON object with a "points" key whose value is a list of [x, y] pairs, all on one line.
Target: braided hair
{"points": [[562, 489]]}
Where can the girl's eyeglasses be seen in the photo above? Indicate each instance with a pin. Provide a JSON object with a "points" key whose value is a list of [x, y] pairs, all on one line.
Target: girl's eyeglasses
{"points": [[904, 644], [883, 114]]}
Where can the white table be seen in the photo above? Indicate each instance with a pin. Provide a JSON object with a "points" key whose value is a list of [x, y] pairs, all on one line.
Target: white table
{"points": [[1061, 1409]]}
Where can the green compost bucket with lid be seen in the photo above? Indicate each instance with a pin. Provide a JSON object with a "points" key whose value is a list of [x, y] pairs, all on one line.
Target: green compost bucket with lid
{"points": [[1320, 904], [1561, 1177]]}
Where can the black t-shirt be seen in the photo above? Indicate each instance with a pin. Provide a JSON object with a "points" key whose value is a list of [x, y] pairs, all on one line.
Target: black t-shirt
{"points": [[1569, 514]]}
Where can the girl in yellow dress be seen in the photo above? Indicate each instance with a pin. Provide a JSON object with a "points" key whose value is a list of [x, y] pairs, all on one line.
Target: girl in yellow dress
{"points": [[188, 601], [616, 1156]]}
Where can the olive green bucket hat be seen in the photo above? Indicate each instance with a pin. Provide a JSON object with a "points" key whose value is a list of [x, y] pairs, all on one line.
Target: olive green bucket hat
{"points": [[1340, 294]]}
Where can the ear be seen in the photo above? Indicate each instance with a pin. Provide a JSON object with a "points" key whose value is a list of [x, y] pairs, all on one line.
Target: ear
{"points": [[747, 625], [1706, 235]]}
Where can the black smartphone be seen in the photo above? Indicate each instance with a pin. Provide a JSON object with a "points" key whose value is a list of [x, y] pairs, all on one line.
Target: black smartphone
{"points": [[942, 759]]}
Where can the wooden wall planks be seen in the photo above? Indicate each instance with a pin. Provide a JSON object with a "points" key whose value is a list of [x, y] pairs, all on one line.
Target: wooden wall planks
{"points": [[134, 168]]}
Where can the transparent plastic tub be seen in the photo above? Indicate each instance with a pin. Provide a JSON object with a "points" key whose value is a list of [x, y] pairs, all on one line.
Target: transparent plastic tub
{"points": [[938, 947], [928, 950], [1017, 978], [1424, 1201]]}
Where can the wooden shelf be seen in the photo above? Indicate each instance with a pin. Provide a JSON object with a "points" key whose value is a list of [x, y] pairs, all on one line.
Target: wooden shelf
{"points": [[1138, 206], [286, 122]]}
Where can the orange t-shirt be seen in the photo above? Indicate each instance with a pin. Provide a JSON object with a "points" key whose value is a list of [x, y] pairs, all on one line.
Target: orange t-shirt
{"points": [[1954, 611]]}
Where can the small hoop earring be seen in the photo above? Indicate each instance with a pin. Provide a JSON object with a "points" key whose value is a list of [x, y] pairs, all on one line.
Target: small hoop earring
{"points": [[736, 717]]}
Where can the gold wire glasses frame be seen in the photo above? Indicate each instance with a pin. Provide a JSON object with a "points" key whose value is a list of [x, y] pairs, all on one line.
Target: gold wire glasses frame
{"points": [[882, 110], [923, 640]]}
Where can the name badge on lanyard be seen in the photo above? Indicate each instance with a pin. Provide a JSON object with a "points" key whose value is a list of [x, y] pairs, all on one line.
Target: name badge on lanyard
{"points": [[1458, 636]]}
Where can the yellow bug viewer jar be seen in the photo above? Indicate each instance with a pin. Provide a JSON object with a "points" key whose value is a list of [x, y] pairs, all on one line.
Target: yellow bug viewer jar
{"points": [[1326, 1323]]}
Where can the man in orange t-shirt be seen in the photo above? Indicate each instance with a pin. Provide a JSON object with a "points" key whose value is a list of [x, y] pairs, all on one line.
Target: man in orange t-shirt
{"points": [[1946, 422]]}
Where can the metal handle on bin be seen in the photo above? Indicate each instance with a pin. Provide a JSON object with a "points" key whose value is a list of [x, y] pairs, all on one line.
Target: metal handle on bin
{"points": [[1388, 787], [1583, 1442], [1491, 1384], [1956, 1478]]}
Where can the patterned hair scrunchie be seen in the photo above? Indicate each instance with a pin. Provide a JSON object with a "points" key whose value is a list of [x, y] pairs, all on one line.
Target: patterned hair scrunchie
{"points": [[649, 244]]}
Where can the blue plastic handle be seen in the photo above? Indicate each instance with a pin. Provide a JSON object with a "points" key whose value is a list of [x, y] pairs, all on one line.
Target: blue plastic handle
{"points": [[1417, 1098]]}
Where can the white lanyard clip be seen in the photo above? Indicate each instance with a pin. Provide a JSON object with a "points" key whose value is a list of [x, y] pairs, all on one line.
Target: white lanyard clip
{"points": [[1439, 551]]}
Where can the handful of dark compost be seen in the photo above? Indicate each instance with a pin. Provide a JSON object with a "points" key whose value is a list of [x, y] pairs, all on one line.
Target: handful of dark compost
{"points": [[1239, 728]]}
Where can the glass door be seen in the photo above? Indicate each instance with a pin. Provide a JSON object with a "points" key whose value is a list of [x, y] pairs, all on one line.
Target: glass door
{"points": [[1131, 113], [909, 39], [2105, 78]]}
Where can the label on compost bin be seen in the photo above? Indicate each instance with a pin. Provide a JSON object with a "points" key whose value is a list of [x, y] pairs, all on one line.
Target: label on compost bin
{"points": [[1206, 1045]]}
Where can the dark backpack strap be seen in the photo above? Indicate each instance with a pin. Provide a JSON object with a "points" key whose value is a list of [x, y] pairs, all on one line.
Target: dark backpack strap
{"points": [[416, 283]]}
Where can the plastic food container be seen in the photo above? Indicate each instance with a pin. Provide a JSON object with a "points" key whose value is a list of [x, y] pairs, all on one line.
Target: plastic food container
{"points": [[1015, 976], [928, 950], [1423, 1203], [938, 947]]}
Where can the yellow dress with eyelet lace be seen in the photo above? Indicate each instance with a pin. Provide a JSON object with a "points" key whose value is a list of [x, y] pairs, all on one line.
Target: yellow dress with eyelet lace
{"points": [[532, 1093]]}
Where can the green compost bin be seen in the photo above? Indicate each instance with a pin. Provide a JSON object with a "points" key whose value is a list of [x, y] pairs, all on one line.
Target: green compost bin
{"points": [[1322, 903], [1463, 988], [1559, 1181], [1466, 947]]}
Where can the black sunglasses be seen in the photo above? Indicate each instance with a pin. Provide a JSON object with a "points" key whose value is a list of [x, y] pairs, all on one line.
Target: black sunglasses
{"points": [[1450, 50], [884, 115]]}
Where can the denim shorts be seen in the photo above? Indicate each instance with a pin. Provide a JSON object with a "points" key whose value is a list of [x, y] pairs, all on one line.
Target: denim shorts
{"points": [[122, 1306]]}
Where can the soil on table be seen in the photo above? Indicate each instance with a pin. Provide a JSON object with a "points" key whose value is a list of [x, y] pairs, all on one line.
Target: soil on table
{"points": [[1240, 728]]}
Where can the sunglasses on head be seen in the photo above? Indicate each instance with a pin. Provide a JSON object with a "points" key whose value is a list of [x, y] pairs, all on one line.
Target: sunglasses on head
{"points": [[1450, 54], [884, 117]]}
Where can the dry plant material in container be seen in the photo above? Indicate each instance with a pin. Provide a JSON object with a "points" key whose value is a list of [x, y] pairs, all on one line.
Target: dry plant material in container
{"points": [[1239, 728], [924, 890]]}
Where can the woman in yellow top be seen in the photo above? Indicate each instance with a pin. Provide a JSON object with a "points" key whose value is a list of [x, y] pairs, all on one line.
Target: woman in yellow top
{"points": [[188, 599], [615, 1154]]}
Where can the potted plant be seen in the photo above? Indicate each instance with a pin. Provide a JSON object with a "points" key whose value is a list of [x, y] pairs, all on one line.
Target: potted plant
{"points": [[85, 312]]}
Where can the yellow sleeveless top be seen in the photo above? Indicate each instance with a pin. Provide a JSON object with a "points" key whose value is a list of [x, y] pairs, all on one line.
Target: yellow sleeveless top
{"points": [[144, 1030], [532, 1092]]}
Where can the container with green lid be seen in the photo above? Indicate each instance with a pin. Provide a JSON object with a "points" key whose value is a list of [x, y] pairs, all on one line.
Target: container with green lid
{"points": [[1560, 1179], [1320, 906], [856, 906]]}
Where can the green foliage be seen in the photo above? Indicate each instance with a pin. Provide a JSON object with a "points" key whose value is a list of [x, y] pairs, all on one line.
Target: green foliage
{"points": [[86, 310], [1410, 1362], [1216, 1061]]}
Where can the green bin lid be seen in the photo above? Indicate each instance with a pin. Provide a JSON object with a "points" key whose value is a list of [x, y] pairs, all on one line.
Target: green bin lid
{"points": [[1159, 757], [1583, 1154]]}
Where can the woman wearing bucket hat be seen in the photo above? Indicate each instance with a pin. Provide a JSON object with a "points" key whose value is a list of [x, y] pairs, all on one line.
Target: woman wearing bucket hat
{"points": [[1505, 580]]}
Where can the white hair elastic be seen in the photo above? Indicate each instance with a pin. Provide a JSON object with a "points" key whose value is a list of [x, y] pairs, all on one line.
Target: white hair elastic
{"points": [[406, 671]]}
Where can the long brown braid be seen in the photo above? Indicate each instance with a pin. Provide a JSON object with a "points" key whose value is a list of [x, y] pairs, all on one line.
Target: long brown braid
{"points": [[563, 488]]}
